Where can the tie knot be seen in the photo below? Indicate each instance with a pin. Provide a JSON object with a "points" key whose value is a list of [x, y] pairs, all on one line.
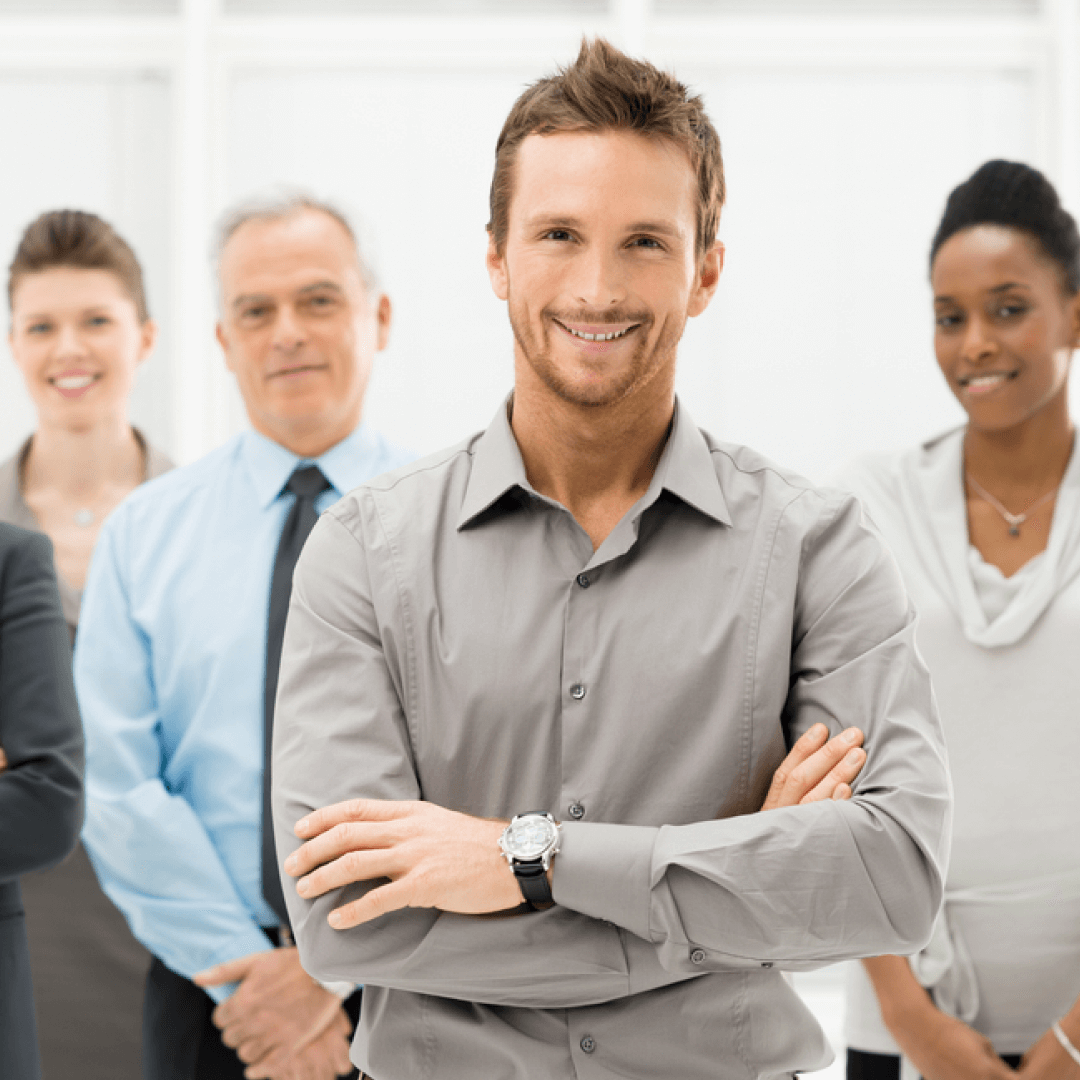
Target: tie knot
{"points": [[307, 482]]}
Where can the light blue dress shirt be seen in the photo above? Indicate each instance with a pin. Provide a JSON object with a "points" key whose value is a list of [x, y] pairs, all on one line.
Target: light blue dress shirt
{"points": [[169, 669]]}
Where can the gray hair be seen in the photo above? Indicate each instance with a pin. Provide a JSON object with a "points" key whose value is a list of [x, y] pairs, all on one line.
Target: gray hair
{"points": [[283, 203]]}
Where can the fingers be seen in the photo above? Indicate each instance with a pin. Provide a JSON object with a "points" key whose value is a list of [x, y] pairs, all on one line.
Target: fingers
{"points": [[339, 840], [351, 810], [3, 761], [804, 746], [809, 764], [372, 905], [838, 780], [352, 866], [233, 971]]}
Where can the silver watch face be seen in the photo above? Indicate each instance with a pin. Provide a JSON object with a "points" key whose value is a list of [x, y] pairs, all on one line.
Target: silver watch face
{"points": [[529, 837]]}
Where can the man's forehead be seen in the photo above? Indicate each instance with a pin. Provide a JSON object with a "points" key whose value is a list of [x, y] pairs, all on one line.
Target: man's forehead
{"points": [[650, 178], [285, 254]]}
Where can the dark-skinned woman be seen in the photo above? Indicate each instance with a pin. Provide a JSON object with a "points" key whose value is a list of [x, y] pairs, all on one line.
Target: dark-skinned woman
{"points": [[985, 524]]}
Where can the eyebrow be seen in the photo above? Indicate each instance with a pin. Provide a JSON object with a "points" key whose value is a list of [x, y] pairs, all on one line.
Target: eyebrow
{"points": [[263, 298], [662, 228], [1005, 287]]}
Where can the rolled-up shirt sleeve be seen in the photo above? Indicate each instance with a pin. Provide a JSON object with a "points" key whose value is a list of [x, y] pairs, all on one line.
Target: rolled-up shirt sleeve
{"points": [[807, 885]]}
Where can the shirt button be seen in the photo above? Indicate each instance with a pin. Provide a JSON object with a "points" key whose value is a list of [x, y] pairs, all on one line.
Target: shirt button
{"points": [[577, 810], [697, 956], [577, 691], [588, 1044], [583, 580]]}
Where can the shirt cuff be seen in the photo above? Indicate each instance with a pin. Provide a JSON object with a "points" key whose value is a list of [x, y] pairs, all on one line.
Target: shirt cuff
{"points": [[256, 943], [340, 990], [605, 871]]}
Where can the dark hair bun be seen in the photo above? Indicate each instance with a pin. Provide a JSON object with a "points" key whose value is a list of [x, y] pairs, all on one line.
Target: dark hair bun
{"points": [[1016, 196]]}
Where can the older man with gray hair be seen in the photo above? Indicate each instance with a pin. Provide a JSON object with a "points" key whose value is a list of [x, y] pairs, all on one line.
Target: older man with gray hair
{"points": [[178, 651]]}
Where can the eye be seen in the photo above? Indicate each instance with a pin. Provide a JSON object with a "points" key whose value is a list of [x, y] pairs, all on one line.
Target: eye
{"points": [[649, 243], [557, 234], [1011, 311], [98, 320], [39, 328], [321, 302], [947, 320], [254, 313]]}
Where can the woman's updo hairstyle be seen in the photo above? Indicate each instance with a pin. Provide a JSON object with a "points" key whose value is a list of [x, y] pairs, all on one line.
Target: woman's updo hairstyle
{"points": [[82, 241], [1016, 196]]}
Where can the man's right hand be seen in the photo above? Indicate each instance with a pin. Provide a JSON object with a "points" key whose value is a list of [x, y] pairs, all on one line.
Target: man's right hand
{"points": [[817, 769], [280, 1021]]}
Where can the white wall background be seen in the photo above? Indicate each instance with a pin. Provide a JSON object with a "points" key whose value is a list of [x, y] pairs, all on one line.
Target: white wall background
{"points": [[844, 125]]}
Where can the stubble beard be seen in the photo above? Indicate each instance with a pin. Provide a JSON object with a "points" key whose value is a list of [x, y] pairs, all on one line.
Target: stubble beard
{"points": [[643, 366]]}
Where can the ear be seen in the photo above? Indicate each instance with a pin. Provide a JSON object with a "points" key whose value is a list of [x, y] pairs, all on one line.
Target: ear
{"points": [[708, 277], [223, 341], [149, 336], [383, 316], [496, 268], [1075, 315]]}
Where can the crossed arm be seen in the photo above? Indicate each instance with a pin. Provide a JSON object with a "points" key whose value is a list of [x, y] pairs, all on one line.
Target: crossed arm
{"points": [[441, 859]]}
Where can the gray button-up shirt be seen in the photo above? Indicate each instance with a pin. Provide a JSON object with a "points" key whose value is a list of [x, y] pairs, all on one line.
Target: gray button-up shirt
{"points": [[453, 637]]}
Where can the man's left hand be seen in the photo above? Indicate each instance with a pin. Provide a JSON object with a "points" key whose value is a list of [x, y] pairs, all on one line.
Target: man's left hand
{"points": [[434, 858]]}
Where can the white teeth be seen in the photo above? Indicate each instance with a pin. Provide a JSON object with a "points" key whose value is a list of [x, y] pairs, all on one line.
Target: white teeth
{"points": [[599, 337], [985, 380], [73, 382]]}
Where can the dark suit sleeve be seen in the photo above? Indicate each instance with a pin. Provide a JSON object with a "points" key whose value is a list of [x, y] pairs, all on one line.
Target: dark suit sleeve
{"points": [[41, 791]]}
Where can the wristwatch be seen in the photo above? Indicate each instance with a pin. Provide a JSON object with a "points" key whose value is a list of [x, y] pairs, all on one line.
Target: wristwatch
{"points": [[529, 843]]}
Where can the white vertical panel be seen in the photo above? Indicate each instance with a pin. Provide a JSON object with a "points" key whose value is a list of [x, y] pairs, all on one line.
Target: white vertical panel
{"points": [[89, 143], [817, 346]]}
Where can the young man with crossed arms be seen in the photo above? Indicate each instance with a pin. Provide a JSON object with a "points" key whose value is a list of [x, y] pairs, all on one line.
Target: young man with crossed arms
{"points": [[534, 688]]}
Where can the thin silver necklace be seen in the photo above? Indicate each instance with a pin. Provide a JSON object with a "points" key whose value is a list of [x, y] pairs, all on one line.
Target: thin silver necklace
{"points": [[1014, 521]]}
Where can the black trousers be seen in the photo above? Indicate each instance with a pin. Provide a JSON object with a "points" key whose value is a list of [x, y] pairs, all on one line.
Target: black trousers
{"points": [[180, 1041], [864, 1066]]}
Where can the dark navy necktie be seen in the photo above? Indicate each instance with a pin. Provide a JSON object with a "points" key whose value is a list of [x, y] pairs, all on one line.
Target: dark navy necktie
{"points": [[306, 484]]}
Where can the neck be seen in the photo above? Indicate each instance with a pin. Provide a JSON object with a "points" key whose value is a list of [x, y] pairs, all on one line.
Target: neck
{"points": [[78, 464], [1028, 458], [581, 456], [311, 440]]}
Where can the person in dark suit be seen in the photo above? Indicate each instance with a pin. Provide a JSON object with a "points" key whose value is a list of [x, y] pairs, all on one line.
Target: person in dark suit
{"points": [[41, 766]]}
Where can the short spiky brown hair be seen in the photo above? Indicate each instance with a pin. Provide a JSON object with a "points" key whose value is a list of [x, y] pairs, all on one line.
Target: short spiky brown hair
{"points": [[606, 90]]}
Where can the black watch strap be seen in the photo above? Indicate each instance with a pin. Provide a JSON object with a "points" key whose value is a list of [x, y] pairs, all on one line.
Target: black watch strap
{"points": [[532, 877]]}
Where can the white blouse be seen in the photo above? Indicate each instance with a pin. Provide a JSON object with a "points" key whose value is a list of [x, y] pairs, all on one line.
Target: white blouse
{"points": [[1004, 654]]}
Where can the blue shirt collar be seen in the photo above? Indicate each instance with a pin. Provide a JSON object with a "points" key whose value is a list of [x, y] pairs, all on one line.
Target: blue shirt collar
{"points": [[270, 465]]}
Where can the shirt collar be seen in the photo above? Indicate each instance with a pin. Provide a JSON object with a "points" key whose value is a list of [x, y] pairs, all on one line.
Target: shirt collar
{"points": [[685, 469], [270, 465]]}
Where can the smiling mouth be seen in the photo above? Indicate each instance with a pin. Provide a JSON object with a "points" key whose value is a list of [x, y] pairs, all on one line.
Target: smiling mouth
{"points": [[73, 382], [981, 384], [583, 335]]}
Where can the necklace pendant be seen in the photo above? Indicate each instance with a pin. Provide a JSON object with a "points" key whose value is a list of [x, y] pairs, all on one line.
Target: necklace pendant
{"points": [[1014, 530], [84, 518]]}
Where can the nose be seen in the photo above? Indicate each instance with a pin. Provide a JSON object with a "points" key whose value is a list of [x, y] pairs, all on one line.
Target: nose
{"points": [[68, 342], [289, 333], [598, 280], [978, 344]]}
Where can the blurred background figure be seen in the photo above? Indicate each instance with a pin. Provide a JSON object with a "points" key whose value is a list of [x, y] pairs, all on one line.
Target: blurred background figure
{"points": [[80, 328], [177, 658], [985, 523], [40, 770]]}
